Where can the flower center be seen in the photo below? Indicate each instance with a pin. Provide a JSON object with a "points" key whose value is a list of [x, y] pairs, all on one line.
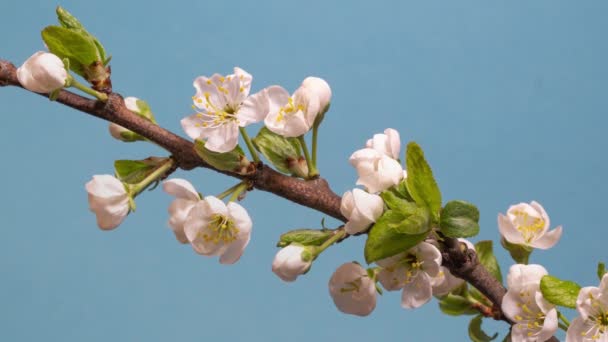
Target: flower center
{"points": [[289, 109], [220, 229], [213, 116], [527, 225]]}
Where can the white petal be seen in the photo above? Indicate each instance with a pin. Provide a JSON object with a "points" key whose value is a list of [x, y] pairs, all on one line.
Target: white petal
{"points": [[105, 186], [417, 293], [508, 231], [549, 326], [369, 205], [585, 301], [253, 109], [180, 188], [295, 125], [576, 330], [394, 141], [224, 138], [347, 204], [245, 80], [277, 98], [216, 205], [510, 305], [192, 126], [430, 256], [522, 275], [178, 211], [549, 239]]}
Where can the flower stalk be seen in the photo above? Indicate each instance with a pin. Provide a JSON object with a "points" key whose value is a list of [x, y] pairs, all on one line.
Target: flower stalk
{"points": [[254, 153], [99, 95], [312, 168]]}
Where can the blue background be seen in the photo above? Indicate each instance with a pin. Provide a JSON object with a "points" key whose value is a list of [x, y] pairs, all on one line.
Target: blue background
{"points": [[508, 99]]}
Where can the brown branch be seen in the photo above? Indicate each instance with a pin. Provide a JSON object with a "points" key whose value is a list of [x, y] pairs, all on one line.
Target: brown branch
{"points": [[315, 194]]}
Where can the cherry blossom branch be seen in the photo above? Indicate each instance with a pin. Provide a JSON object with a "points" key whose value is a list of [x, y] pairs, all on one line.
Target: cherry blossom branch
{"points": [[315, 194]]}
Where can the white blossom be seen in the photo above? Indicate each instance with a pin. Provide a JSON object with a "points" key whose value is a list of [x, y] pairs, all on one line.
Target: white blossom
{"points": [[186, 197], [223, 105], [352, 290], [377, 171], [214, 228], [43, 72], [528, 224], [387, 143], [290, 262], [361, 209], [535, 318], [592, 306], [109, 200], [320, 87], [413, 272], [291, 116]]}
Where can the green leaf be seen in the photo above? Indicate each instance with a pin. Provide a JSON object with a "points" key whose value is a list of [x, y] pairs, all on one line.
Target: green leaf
{"points": [[476, 334], [134, 171], [234, 161], [519, 253], [455, 305], [76, 46], [601, 270], [397, 231], [559, 292], [420, 181], [459, 219], [278, 150], [306, 237], [67, 20], [486, 257], [392, 200]]}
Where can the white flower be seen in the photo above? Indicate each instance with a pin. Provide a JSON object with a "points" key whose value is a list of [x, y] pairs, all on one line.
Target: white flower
{"points": [[528, 224], [388, 143], [43, 72], [291, 116], [224, 105], [377, 171], [289, 262], [361, 209], [352, 290], [411, 271], [186, 197], [535, 318], [592, 305], [214, 228], [444, 282], [320, 87], [109, 200]]}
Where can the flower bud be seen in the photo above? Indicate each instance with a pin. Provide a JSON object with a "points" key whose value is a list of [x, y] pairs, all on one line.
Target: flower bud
{"points": [[43, 72], [320, 88], [528, 225], [291, 261], [361, 209], [109, 200], [352, 290], [388, 143]]}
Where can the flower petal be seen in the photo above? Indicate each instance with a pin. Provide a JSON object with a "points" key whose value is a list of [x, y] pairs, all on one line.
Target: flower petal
{"points": [[223, 138], [254, 109], [549, 239], [180, 188], [508, 231], [417, 293]]}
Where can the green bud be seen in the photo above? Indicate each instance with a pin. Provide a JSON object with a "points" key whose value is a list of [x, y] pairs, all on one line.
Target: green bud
{"points": [[285, 154], [135, 171], [234, 161], [305, 237]]}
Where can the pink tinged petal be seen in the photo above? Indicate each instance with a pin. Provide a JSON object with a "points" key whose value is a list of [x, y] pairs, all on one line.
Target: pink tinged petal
{"points": [[508, 231], [394, 141], [522, 275], [585, 301], [205, 85], [192, 125], [510, 305], [576, 331], [243, 222], [549, 239], [277, 98], [244, 80], [112, 216], [235, 250], [216, 206], [430, 256], [604, 285], [224, 138], [180, 188], [393, 277], [360, 302], [105, 186], [254, 109], [417, 292], [197, 220]]}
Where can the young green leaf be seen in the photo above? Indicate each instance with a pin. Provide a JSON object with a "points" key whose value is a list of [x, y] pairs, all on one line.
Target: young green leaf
{"points": [[392, 200], [67, 20], [420, 181], [459, 219], [486, 257], [278, 150], [455, 305], [76, 46], [601, 270], [234, 160], [396, 232], [559, 292], [476, 334], [306, 237], [134, 171]]}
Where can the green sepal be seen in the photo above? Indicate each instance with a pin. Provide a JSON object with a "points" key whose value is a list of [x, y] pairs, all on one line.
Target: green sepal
{"points": [[279, 151], [559, 292], [234, 161], [305, 237], [134, 171], [130, 136], [396, 231], [519, 253], [459, 219], [476, 334], [76, 46], [601, 270], [455, 305], [486, 257], [421, 184]]}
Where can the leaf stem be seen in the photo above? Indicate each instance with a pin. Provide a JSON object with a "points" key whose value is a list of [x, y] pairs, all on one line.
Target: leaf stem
{"points": [[238, 191], [254, 153], [154, 176], [563, 318], [312, 169], [229, 191], [99, 95], [339, 234]]}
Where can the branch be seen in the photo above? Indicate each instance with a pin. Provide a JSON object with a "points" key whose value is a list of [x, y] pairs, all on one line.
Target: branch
{"points": [[315, 194]]}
